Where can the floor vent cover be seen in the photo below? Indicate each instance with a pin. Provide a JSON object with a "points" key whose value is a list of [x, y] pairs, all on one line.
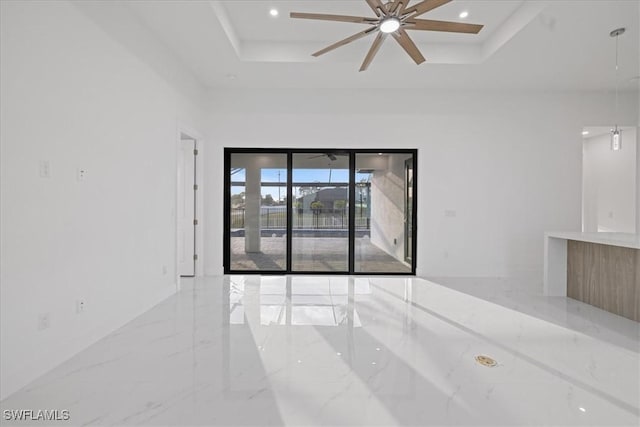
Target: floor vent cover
{"points": [[486, 361]]}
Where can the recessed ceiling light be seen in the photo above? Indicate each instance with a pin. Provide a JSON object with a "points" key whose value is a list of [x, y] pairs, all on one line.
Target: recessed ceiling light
{"points": [[463, 14], [585, 132], [582, 410], [273, 12]]}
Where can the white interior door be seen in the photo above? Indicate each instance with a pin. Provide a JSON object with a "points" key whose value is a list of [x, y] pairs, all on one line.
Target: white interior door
{"points": [[186, 208]]}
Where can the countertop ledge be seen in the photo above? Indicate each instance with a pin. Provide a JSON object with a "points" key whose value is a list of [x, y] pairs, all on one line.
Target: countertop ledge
{"points": [[626, 240]]}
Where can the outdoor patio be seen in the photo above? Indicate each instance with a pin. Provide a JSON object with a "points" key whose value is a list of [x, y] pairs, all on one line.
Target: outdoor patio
{"points": [[321, 254]]}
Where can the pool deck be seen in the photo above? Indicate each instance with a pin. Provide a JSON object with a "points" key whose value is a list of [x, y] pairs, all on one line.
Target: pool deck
{"points": [[319, 254]]}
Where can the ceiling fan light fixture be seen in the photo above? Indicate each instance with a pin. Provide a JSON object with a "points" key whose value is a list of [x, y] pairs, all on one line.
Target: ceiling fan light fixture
{"points": [[389, 25]]}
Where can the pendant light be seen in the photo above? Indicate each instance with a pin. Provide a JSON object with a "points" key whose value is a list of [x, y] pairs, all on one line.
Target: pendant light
{"points": [[616, 134]]}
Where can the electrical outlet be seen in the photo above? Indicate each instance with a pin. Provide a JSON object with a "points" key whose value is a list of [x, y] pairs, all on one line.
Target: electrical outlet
{"points": [[164, 270], [80, 306], [81, 174], [44, 321], [450, 213], [45, 169]]}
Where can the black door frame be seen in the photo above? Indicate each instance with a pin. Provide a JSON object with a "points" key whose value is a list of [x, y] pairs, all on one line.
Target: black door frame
{"points": [[352, 152], [409, 165]]}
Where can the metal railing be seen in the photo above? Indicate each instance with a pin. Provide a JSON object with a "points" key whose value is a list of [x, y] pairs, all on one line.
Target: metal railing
{"points": [[276, 218]]}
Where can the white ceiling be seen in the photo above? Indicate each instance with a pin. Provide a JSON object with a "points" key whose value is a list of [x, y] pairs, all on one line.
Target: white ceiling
{"points": [[527, 45], [248, 19]]}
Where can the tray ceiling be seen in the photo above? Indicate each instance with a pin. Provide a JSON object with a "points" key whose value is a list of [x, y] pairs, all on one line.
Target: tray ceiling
{"points": [[525, 45]]}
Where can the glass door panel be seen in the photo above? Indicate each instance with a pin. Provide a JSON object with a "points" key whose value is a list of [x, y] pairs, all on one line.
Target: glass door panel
{"points": [[258, 215], [320, 217], [381, 213]]}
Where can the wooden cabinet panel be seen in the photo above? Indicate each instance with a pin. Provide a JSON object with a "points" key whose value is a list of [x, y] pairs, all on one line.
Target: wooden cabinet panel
{"points": [[605, 276]]}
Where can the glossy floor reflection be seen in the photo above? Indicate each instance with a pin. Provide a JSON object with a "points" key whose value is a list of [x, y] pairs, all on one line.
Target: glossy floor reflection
{"points": [[251, 350]]}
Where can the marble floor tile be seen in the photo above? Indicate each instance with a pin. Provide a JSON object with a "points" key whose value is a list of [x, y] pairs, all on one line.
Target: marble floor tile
{"points": [[330, 350]]}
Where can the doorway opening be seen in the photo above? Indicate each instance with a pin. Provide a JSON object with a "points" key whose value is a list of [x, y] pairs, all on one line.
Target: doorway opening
{"points": [[320, 211], [608, 181]]}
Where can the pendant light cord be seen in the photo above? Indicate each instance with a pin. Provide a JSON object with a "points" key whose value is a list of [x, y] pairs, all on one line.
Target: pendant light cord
{"points": [[616, 118]]}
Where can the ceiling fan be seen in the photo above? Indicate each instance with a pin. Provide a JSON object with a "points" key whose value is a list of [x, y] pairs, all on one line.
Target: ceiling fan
{"points": [[392, 17], [331, 156]]}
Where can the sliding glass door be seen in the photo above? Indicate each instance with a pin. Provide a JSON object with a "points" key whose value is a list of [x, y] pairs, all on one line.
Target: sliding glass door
{"points": [[257, 212], [319, 211], [381, 213], [320, 226]]}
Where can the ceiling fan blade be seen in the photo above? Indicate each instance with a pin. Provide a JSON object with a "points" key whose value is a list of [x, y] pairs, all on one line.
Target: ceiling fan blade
{"points": [[408, 45], [377, 6], [450, 27], [354, 37], [339, 18], [375, 47], [424, 7], [397, 6], [331, 156]]}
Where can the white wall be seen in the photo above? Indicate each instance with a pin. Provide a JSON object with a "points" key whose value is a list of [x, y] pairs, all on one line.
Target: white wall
{"points": [[75, 97], [638, 147], [638, 174], [388, 205], [508, 164], [609, 190]]}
